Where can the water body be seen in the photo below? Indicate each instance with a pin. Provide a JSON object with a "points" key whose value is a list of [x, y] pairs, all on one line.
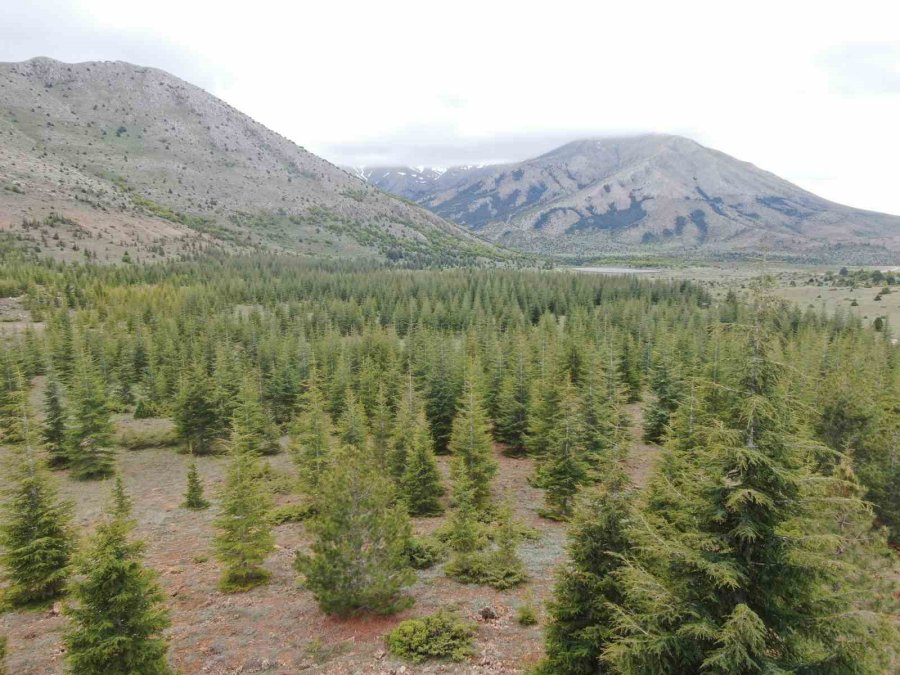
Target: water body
{"points": [[616, 270]]}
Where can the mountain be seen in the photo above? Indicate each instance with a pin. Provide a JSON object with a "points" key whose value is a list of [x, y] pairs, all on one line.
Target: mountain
{"points": [[403, 181], [646, 194], [101, 159], [416, 183]]}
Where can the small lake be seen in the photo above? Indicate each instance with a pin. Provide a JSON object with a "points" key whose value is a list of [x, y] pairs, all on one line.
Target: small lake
{"points": [[616, 270]]}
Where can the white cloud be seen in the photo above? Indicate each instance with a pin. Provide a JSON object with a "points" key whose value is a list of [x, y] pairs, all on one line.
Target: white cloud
{"points": [[804, 89]]}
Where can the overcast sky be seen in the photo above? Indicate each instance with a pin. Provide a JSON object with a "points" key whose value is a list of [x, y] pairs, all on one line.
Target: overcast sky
{"points": [[809, 90]]}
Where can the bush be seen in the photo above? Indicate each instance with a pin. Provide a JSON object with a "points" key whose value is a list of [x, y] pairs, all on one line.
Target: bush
{"points": [[139, 439], [424, 553], [280, 482], [490, 568], [438, 636], [527, 614], [240, 582], [290, 513], [145, 409], [466, 568]]}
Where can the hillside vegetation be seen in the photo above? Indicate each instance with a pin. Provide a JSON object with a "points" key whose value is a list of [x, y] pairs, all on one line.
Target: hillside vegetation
{"points": [[101, 160]]}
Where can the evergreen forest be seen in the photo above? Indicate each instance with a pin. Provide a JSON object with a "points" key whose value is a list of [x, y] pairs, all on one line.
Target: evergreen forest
{"points": [[720, 477]]}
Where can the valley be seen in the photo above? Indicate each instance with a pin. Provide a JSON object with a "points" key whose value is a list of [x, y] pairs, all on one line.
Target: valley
{"points": [[631, 405]]}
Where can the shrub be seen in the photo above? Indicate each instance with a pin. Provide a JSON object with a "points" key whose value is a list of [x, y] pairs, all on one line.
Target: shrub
{"points": [[437, 636], [280, 482], [490, 568], [145, 409], [527, 614], [290, 513], [424, 552], [139, 439], [467, 568]]}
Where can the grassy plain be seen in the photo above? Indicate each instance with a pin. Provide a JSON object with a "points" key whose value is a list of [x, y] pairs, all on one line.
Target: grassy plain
{"points": [[803, 285]]}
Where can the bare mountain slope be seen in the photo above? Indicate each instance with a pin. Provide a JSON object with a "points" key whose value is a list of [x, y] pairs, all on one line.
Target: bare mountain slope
{"points": [[110, 157], [654, 193]]}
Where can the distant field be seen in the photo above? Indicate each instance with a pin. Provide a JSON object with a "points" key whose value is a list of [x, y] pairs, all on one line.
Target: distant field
{"points": [[793, 284]]}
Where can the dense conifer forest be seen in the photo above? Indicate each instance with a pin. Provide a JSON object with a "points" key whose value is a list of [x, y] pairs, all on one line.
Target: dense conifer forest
{"points": [[760, 543]]}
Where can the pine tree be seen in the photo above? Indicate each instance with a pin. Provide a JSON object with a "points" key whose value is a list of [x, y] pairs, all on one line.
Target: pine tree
{"points": [[471, 444], [737, 573], [503, 566], [197, 413], [116, 623], [543, 413], [90, 432], [14, 420], [244, 537], [629, 369], [513, 403], [581, 620], [61, 344], [442, 391], [353, 427], [121, 504], [381, 423], [33, 357], [311, 436], [358, 560], [465, 533], [604, 422], [193, 496], [339, 384], [420, 484], [53, 430], [563, 469], [405, 426], [282, 388], [252, 430], [667, 390], [34, 533]]}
